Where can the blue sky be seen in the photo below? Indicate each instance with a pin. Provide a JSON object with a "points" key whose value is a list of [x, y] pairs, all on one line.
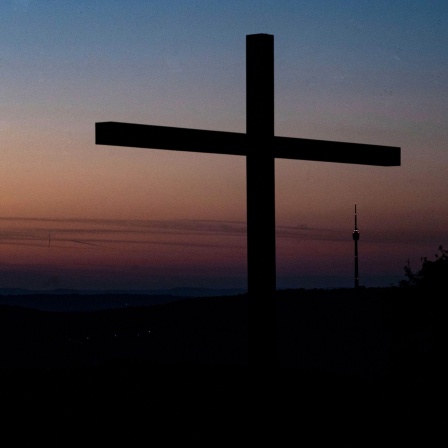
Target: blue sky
{"points": [[370, 72]]}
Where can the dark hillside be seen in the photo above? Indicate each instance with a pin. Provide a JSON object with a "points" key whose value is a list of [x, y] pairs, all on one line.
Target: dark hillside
{"points": [[351, 362]]}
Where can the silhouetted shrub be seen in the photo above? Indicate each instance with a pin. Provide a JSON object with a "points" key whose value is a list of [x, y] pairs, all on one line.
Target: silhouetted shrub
{"points": [[432, 274]]}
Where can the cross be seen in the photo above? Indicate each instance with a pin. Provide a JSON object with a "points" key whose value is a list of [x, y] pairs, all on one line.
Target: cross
{"points": [[260, 147]]}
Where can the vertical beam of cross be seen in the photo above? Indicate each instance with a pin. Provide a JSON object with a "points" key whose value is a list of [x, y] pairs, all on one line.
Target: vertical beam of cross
{"points": [[260, 180]]}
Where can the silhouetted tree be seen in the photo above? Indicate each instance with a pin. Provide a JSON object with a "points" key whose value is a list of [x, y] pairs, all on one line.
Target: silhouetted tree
{"points": [[433, 274]]}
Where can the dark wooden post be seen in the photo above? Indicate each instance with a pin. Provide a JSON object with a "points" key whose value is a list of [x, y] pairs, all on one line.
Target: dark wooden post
{"points": [[260, 172]]}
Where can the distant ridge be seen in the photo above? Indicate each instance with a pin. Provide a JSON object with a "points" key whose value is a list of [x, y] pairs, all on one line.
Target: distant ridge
{"points": [[176, 292], [94, 300]]}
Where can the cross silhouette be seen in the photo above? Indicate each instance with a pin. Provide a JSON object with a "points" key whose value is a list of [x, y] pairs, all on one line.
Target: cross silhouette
{"points": [[260, 147]]}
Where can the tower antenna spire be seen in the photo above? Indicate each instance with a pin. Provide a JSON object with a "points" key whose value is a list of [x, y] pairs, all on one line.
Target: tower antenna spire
{"points": [[355, 239]]}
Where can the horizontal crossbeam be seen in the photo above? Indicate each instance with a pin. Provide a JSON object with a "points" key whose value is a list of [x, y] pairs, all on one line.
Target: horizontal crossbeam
{"points": [[342, 152], [176, 139], [234, 143]]}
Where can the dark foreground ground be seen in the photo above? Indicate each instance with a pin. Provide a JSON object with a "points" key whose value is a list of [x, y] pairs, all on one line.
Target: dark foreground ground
{"points": [[356, 368]]}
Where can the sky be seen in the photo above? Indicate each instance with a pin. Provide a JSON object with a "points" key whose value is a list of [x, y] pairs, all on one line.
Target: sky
{"points": [[78, 215]]}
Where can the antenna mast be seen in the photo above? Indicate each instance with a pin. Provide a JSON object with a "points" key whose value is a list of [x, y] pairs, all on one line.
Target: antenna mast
{"points": [[355, 239]]}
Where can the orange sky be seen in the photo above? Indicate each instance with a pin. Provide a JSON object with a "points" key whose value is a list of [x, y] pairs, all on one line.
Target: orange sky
{"points": [[136, 218]]}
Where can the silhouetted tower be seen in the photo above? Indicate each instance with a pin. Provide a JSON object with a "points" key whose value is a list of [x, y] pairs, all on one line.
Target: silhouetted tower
{"points": [[355, 239]]}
